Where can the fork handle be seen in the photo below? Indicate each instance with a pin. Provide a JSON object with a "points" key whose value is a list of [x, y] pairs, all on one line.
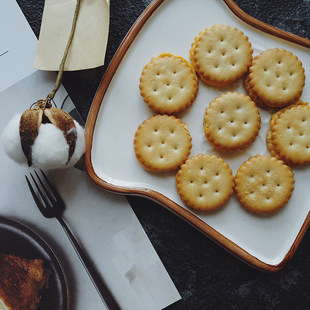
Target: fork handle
{"points": [[101, 287]]}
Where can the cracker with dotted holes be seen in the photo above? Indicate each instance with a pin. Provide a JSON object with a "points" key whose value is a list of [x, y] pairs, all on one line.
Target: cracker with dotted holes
{"points": [[277, 77], [290, 134], [251, 93], [269, 140], [275, 115], [205, 182], [231, 122], [264, 184], [221, 55], [162, 143], [272, 149], [168, 84]]}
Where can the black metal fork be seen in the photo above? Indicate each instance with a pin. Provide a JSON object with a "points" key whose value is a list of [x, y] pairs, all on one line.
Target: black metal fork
{"points": [[52, 205]]}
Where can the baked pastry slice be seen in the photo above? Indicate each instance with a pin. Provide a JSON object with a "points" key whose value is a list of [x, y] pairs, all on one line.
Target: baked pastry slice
{"points": [[20, 282]]}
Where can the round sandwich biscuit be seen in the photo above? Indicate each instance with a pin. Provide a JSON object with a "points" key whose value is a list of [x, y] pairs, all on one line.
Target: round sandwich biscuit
{"points": [[251, 93], [221, 55], [272, 149], [205, 182], [290, 134], [264, 184], [162, 143], [168, 84], [277, 77], [231, 122], [269, 140]]}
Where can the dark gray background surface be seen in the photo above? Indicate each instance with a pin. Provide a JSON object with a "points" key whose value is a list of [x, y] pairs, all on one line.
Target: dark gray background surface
{"points": [[206, 276]]}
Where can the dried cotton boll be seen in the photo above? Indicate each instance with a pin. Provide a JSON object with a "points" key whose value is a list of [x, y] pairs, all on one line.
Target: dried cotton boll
{"points": [[50, 148], [80, 145], [11, 141]]}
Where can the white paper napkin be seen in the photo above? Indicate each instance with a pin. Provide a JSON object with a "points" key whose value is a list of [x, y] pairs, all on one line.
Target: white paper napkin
{"points": [[103, 222]]}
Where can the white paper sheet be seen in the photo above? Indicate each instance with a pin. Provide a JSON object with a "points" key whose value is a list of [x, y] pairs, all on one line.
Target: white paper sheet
{"points": [[104, 223], [18, 45]]}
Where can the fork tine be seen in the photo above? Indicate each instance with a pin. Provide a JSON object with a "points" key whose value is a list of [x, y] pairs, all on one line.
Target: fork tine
{"points": [[47, 201], [34, 195], [51, 187]]}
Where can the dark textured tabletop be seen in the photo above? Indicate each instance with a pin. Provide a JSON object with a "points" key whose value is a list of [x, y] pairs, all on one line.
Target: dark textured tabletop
{"points": [[206, 276]]}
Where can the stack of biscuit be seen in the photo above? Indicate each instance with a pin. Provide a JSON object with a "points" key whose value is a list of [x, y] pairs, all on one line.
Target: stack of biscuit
{"points": [[288, 137], [276, 78], [264, 184], [231, 122], [205, 182], [221, 55], [168, 84], [162, 143]]}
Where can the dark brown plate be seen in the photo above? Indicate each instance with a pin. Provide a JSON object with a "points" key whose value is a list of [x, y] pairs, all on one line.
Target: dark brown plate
{"points": [[20, 240]]}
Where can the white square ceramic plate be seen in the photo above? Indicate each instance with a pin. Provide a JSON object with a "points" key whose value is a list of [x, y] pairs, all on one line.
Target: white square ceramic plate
{"points": [[265, 241]]}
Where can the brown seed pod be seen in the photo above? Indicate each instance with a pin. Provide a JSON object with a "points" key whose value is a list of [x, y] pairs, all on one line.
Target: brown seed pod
{"points": [[43, 112]]}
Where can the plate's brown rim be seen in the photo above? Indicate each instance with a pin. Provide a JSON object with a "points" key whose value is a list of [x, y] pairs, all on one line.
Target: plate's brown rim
{"points": [[171, 205]]}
